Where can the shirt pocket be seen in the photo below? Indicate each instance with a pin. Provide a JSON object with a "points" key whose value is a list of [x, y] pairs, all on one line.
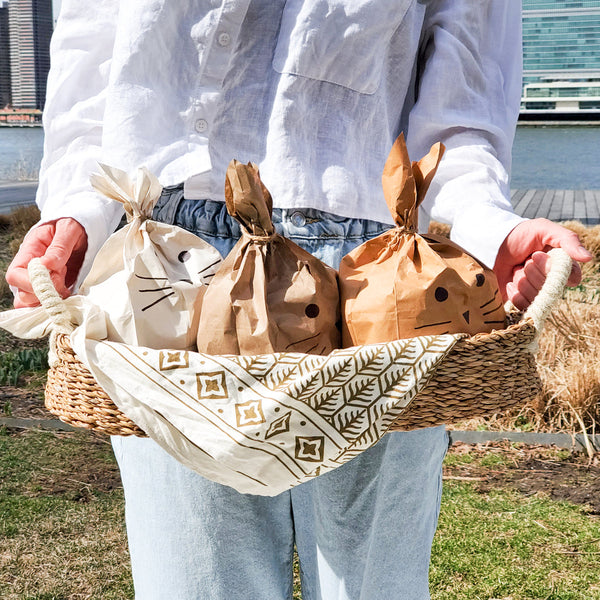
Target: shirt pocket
{"points": [[344, 42]]}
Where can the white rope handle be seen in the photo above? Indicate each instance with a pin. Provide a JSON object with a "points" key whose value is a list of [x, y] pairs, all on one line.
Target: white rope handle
{"points": [[552, 290], [48, 296]]}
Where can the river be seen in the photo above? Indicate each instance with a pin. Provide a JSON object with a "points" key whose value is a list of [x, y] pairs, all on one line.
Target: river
{"points": [[544, 157]]}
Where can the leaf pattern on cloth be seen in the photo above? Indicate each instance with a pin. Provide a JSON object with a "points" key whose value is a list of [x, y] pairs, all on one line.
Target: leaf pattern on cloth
{"points": [[262, 424]]}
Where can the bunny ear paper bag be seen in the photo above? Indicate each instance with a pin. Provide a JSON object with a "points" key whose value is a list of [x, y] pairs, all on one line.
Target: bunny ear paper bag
{"points": [[269, 294], [148, 277], [402, 284]]}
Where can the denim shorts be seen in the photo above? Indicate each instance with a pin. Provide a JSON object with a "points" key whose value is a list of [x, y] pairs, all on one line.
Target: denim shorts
{"points": [[329, 237]]}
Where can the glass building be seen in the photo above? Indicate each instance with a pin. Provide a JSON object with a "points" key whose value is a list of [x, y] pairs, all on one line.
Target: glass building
{"points": [[30, 28], [5, 84], [561, 55]]}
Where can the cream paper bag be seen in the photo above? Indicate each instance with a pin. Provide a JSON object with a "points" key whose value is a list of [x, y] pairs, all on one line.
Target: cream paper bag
{"points": [[149, 277], [146, 283]]}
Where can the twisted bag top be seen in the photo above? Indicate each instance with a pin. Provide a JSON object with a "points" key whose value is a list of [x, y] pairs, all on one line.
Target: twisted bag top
{"points": [[402, 284], [269, 294]]}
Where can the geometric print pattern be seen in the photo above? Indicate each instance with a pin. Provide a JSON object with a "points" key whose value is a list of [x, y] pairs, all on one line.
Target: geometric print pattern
{"points": [[265, 423]]}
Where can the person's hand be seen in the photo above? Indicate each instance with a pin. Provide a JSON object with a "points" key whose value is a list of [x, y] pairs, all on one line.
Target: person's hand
{"points": [[522, 261], [61, 245]]}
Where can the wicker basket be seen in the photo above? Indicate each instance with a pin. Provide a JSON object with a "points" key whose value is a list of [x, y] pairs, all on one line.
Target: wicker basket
{"points": [[482, 375]]}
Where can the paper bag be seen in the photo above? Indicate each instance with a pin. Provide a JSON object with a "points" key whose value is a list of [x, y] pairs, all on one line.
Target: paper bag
{"points": [[148, 277], [402, 284], [269, 294]]}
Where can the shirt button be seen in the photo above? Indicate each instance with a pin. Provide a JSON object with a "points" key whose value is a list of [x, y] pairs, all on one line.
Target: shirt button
{"points": [[298, 219], [201, 125], [224, 39]]}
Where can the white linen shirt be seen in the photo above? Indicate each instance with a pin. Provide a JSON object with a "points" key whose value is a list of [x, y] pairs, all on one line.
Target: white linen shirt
{"points": [[314, 91]]}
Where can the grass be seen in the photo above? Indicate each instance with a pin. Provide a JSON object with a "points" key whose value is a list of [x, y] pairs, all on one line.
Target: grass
{"points": [[502, 545], [62, 534], [27, 361], [61, 519]]}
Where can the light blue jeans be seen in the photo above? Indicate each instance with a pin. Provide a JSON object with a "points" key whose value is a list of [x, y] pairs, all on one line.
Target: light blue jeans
{"points": [[362, 532]]}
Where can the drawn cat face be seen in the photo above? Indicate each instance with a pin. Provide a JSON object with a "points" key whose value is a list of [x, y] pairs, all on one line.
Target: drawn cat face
{"points": [[307, 314], [461, 302], [158, 289]]}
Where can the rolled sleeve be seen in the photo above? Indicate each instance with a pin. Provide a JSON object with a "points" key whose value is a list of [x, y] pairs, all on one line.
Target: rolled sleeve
{"points": [[469, 92], [80, 51]]}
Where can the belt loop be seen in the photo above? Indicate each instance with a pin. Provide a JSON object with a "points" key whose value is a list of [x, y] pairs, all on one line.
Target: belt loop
{"points": [[166, 206]]}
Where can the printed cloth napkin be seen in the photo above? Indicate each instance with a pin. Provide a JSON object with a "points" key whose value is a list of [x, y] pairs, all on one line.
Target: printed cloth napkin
{"points": [[263, 424]]}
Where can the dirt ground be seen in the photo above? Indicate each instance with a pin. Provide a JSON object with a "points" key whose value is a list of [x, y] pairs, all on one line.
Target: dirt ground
{"points": [[22, 403], [84, 472], [558, 474]]}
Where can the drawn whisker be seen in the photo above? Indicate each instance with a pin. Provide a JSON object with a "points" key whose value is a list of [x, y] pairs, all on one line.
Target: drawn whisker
{"points": [[490, 301], [157, 289], [311, 337], [309, 350], [209, 266], [500, 322], [157, 301], [489, 312], [433, 324], [152, 278]]}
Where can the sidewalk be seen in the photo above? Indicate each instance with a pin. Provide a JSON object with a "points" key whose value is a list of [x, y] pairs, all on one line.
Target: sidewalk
{"points": [[16, 193]]}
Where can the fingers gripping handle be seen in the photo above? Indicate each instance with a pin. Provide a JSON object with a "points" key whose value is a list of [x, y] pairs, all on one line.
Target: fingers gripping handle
{"points": [[553, 288], [48, 296]]}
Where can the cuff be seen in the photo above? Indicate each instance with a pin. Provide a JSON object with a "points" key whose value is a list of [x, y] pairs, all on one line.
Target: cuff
{"points": [[483, 229]]}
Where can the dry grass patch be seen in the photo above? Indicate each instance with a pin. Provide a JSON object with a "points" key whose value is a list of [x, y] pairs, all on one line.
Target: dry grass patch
{"points": [[569, 354], [66, 550], [569, 364], [568, 357], [21, 220], [13, 228]]}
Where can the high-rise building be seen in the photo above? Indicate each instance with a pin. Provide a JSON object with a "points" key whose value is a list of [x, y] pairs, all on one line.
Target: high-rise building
{"points": [[5, 96], [561, 55], [30, 29]]}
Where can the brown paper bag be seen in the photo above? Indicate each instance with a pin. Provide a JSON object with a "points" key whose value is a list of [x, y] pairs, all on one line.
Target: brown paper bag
{"points": [[402, 284], [269, 294]]}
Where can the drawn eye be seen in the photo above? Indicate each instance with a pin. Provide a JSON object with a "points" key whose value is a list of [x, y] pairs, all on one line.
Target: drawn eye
{"points": [[441, 294], [183, 256], [479, 279], [312, 311]]}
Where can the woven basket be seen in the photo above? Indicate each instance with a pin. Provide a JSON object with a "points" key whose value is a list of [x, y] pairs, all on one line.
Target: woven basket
{"points": [[482, 375]]}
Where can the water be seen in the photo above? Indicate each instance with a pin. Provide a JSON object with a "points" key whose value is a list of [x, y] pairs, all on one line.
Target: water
{"points": [[556, 158], [20, 152], [543, 157]]}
